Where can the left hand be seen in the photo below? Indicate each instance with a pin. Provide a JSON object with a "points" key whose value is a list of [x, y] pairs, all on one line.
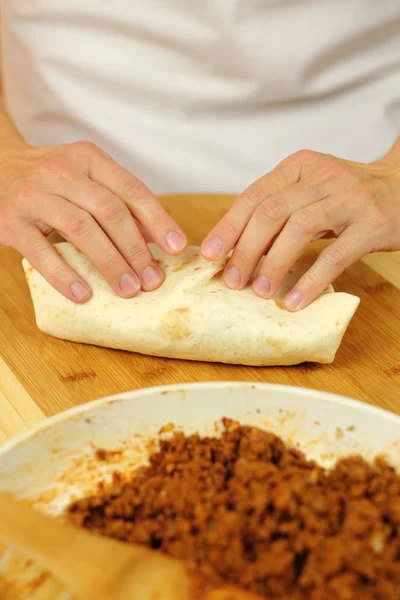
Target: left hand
{"points": [[304, 198]]}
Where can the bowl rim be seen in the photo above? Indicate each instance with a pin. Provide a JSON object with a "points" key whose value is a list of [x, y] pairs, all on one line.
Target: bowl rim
{"points": [[81, 409]]}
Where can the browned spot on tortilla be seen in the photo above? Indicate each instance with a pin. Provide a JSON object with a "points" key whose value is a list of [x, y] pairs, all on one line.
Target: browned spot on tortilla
{"points": [[106, 305], [197, 269], [339, 433], [183, 309], [77, 376], [34, 286], [180, 266], [276, 343], [338, 323], [66, 311], [29, 272], [113, 401], [174, 325]]}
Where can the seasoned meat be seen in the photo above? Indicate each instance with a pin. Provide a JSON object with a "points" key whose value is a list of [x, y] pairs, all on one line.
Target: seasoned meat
{"points": [[245, 508]]}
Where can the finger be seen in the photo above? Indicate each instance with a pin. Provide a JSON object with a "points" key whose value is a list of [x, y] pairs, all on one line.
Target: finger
{"points": [[305, 225], [80, 228], [43, 257], [226, 233], [140, 200], [148, 238], [120, 226], [267, 221], [66, 178], [352, 245]]}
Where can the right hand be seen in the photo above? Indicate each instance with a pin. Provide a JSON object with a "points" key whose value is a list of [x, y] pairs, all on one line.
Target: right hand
{"points": [[106, 212]]}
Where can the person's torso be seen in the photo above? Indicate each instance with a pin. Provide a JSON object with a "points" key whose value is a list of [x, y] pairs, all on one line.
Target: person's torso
{"points": [[205, 96]]}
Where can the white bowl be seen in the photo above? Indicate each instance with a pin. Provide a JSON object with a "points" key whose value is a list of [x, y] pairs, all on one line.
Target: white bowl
{"points": [[58, 457], [57, 461]]}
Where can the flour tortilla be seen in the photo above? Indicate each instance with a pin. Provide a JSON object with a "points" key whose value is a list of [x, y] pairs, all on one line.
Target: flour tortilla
{"points": [[194, 316]]}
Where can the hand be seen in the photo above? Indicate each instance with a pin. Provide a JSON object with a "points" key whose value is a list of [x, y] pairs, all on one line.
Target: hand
{"points": [[106, 212], [302, 199]]}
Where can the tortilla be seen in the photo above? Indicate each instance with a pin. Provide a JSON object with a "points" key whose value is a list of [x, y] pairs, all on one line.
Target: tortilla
{"points": [[194, 316]]}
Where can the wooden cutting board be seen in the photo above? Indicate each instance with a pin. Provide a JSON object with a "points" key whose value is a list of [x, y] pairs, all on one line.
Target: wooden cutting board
{"points": [[40, 375]]}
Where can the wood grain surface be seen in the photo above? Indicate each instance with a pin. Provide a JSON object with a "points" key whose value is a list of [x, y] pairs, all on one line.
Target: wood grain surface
{"points": [[40, 375]]}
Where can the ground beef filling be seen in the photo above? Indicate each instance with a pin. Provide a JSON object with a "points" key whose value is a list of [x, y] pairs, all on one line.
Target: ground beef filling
{"points": [[245, 508]]}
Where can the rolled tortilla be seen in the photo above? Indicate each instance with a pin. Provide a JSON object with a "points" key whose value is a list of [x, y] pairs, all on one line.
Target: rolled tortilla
{"points": [[194, 316]]}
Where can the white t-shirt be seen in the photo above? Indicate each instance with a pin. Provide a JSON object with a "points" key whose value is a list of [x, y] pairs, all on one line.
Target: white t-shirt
{"points": [[205, 95]]}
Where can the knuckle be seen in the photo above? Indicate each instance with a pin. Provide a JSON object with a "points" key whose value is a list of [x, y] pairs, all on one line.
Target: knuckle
{"points": [[38, 252], [335, 169], [368, 195], [111, 262], [232, 227], [111, 209], [135, 189], [78, 224], [273, 209], [253, 195], [312, 279], [52, 167], [303, 222], [56, 273], [302, 155], [334, 256], [84, 148], [140, 254], [242, 253], [159, 224]]}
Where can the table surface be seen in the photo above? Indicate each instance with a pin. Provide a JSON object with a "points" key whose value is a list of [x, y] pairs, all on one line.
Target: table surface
{"points": [[40, 375]]}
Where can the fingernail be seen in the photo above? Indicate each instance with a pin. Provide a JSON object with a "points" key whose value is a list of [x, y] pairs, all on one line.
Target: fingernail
{"points": [[232, 278], [151, 277], [262, 286], [79, 290], [213, 247], [129, 285], [292, 300], [175, 241]]}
